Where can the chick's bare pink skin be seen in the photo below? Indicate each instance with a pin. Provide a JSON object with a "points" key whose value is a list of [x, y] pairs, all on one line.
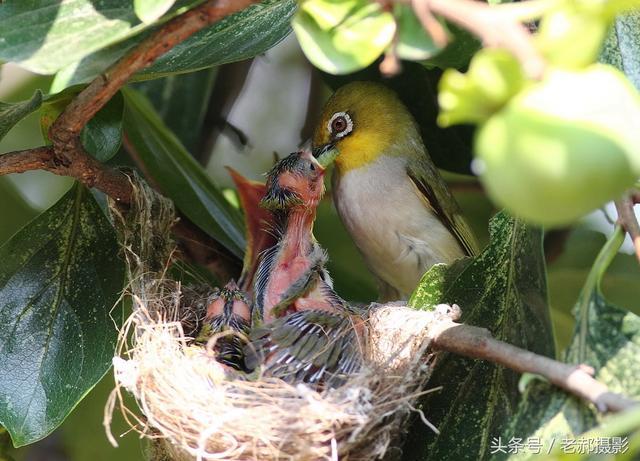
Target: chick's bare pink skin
{"points": [[291, 270], [228, 316], [230, 301]]}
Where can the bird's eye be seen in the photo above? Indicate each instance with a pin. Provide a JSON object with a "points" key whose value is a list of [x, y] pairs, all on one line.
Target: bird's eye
{"points": [[312, 166], [339, 125]]}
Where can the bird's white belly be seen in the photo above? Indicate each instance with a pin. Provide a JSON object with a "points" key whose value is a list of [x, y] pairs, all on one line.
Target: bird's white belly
{"points": [[398, 235]]}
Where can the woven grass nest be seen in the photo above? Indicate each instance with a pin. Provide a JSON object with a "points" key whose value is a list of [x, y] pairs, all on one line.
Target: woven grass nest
{"points": [[195, 408]]}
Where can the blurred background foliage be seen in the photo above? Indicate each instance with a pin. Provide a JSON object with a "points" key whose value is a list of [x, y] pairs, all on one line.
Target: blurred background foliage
{"points": [[252, 112]]}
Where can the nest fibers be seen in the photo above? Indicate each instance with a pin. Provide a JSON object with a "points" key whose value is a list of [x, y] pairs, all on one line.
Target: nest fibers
{"points": [[200, 410]]}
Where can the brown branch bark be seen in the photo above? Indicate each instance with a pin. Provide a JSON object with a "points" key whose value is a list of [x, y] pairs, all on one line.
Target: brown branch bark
{"points": [[475, 342], [628, 220], [84, 168]]}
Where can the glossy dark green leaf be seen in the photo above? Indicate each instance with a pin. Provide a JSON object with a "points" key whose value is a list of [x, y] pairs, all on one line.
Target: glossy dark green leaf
{"points": [[414, 43], [240, 36], [568, 273], [12, 113], [622, 47], [179, 175], [15, 210], [102, 136], [182, 101], [504, 290], [607, 338], [44, 36], [458, 52], [60, 278]]}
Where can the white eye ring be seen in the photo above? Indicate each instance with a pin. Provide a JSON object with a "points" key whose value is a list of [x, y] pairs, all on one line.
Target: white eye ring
{"points": [[344, 132]]}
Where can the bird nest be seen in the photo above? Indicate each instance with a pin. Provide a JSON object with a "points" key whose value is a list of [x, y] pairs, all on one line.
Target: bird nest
{"points": [[196, 408]]}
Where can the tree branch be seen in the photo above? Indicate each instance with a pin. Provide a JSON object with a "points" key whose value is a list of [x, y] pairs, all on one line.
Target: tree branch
{"points": [[90, 100], [627, 219], [475, 342], [67, 157], [85, 169]]}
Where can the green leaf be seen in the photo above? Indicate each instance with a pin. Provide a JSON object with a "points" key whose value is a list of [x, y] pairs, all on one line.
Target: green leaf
{"points": [[179, 176], [568, 273], [150, 10], [12, 113], [622, 47], [15, 210], [182, 101], [343, 36], [413, 41], [45, 35], [102, 136], [577, 153], [493, 78], [60, 278], [458, 52], [504, 290], [240, 36], [607, 338]]}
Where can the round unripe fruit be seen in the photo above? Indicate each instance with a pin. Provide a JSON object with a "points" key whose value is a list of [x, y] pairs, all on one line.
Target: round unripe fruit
{"points": [[563, 147]]}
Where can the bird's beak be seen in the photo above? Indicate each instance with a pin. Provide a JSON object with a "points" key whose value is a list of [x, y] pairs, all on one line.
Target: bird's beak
{"points": [[326, 154]]}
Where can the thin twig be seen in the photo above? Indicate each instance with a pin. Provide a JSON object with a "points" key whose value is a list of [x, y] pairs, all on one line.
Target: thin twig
{"points": [[628, 220], [430, 24], [478, 343]]}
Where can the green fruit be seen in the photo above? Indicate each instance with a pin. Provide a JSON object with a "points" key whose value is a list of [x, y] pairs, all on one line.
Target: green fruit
{"points": [[494, 76], [572, 32], [563, 147], [570, 38]]}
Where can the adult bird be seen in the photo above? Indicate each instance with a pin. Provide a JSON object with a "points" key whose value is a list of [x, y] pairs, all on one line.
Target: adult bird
{"points": [[387, 190]]}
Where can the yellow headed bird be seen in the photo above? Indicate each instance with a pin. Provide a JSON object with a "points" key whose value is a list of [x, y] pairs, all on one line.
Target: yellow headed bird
{"points": [[388, 193]]}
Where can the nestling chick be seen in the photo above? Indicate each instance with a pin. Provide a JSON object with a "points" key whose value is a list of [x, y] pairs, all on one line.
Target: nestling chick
{"points": [[291, 274], [309, 333], [227, 321], [388, 193]]}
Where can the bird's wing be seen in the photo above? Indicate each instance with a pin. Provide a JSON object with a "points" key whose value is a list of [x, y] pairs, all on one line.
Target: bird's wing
{"points": [[432, 187], [308, 346]]}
